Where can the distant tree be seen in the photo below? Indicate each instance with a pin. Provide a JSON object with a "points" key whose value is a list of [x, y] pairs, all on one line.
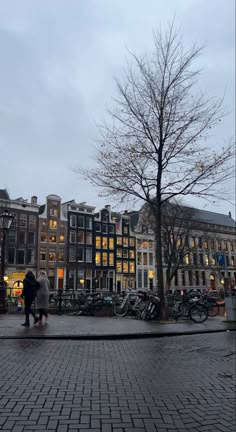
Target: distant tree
{"points": [[153, 145]]}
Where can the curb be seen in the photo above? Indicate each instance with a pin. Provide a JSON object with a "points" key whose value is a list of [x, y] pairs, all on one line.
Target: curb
{"points": [[116, 336]]}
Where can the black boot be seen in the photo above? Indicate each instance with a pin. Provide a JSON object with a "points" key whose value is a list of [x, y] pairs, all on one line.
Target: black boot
{"points": [[26, 324]]}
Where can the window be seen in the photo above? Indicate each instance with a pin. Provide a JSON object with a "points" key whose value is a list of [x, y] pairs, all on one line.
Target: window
{"points": [[131, 254], [125, 267], [104, 258], [227, 260], [126, 229], [197, 277], [80, 236], [52, 255], [131, 267], [212, 244], [42, 254], [207, 259], [98, 242], [22, 237], [111, 229], [190, 277], [145, 279], [12, 236], [131, 242], [111, 243], [72, 237], [231, 247], [183, 277], [232, 260], [193, 242], [225, 246], [118, 266], [97, 227], [73, 221], [150, 244], [194, 258], [72, 254], [187, 259], [203, 278], [125, 241], [32, 221], [30, 256], [31, 238], [145, 244], [88, 222], [139, 258], [105, 217], [23, 221], [104, 228], [140, 279], [111, 259], [139, 243], [61, 256], [52, 238], [119, 252], [43, 237], [119, 240], [80, 221], [52, 224], [104, 242], [205, 244], [200, 242], [219, 246], [176, 278], [125, 253], [145, 258], [20, 257], [213, 260], [151, 259], [53, 211], [88, 238], [61, 238], [80, 254], [201, 258], [98, 258], [11, 255], [88, 254], [186, 241]]}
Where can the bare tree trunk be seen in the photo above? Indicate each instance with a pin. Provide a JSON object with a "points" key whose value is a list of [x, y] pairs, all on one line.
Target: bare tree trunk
{"points": [[159, 264]]}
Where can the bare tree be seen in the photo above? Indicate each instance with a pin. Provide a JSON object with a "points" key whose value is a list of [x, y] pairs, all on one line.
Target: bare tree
{"points": [[153, 145]]}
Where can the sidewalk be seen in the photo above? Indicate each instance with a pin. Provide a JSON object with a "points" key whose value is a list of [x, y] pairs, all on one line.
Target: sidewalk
{"points": [[80, 327]]}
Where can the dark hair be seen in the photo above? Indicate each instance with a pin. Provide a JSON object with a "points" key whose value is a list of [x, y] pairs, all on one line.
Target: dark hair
{"points": [[30, 275]]}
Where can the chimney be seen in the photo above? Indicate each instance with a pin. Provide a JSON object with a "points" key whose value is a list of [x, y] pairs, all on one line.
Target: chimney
{"points": [[34, 200], [230, 215]]}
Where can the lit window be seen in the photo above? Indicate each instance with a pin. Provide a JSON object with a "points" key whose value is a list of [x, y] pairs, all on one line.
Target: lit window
{"points": [[104, 242], [119, 240], [126, 230], [131, 242], [131, 254], [98, 242], [88, 238], [150, 244], [125, 241], [111, 259], [111, 243], [205, 244], [61, 255], [119, 252], [104, 259], [22, 237], [125, 267], [118, 267], [61, 238], [52, 238], [80, 236], [193, 242], [151, 274], [52, 255], [206, 259], [139, 243], [125, 253], [145, 244], [131, 267], [52, 224], [139, 256], [187, 259], [98, 258], [88, 254]]}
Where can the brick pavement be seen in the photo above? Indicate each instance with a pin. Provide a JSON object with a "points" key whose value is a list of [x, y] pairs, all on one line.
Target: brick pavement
{"points": [[184, 383]]}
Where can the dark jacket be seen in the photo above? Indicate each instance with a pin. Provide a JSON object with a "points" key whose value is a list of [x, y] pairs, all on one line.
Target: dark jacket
{"points": [[30, 287]]}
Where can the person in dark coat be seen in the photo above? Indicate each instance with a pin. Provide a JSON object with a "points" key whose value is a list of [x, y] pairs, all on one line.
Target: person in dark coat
{"points": [[30, 287]]}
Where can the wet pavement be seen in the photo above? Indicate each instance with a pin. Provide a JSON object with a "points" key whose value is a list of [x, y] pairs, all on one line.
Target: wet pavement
{"points": [[184, 383], [98, 327]]}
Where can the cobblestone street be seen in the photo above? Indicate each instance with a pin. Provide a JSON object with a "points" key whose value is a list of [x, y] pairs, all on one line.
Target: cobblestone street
{"points": [[183, 383]]}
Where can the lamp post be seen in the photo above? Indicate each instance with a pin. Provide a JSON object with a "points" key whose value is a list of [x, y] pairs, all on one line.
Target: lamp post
{"points": [[6, 219]]}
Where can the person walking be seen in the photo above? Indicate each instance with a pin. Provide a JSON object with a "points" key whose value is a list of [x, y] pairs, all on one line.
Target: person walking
{"points": [[29, 292], [43, 295]]}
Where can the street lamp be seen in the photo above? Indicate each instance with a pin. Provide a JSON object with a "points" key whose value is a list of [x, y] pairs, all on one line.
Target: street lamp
{"points": [[6, 219]]}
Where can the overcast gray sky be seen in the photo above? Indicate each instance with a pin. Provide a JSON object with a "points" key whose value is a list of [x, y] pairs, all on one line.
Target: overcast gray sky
{"points": [[57, 62]]}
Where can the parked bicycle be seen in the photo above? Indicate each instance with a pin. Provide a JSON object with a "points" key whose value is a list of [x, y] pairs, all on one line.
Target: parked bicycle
{"points": [[204, 299], [152, 307], [192, 309], [130, 302]]}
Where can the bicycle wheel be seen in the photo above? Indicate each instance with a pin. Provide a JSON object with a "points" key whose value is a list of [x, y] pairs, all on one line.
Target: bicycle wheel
{"points": [[119, 310], [198, 313], [183, 308], [212, 307]]}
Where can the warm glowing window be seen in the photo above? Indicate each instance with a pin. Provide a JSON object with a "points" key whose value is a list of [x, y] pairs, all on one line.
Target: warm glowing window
{"points": [[193, 242], [52, 238], [60, 273], [131, 254], [52, 224], [187, 259], [125, 267], [206, 259], [151, 274], [145, 244], [111, 243], [126, 230], [205, 244], [131, 267], [52, 255], [104, 242], [139, 243], [119, 252], [98, 242], [98, 258], [131, 242], [118, 266], [111, 259], [119, 240], [62, 238], [125, 241], [104, 258]]}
